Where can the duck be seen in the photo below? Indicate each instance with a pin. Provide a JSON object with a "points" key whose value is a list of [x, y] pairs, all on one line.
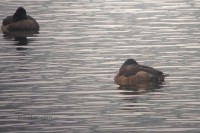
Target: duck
{"points": [[131, 72], [20, 21]]}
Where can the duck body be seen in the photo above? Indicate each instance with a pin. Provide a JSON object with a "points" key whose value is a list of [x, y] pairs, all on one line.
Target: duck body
{"points": [[19, 22], [133, 73]]}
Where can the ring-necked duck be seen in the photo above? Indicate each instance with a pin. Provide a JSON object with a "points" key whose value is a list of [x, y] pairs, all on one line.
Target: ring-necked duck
{"points": [[19, 22], [132, 72]]}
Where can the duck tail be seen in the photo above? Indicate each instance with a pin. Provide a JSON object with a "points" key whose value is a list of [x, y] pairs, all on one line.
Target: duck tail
{"points": [[165, 75], [162, 77]]}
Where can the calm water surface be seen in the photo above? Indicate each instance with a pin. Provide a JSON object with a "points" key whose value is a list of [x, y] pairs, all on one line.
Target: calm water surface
{"points": [[61, 80]]}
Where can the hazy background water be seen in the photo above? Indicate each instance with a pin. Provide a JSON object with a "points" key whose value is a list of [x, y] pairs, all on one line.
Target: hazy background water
{"points": [[65, 73]]}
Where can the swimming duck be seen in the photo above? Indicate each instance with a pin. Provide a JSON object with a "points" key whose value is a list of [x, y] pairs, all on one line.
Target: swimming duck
{"points": [[19, 22], [132, 72]]}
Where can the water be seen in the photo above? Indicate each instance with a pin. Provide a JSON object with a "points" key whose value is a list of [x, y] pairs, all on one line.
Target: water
{"points": [[61, 80]]}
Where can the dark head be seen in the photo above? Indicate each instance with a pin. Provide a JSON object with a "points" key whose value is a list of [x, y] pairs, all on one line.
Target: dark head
{"points": [[130, 62], [20, 14]]}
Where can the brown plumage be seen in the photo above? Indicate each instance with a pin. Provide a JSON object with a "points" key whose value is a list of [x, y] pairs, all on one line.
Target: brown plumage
{"points": [[132, 73], [19, 22]]}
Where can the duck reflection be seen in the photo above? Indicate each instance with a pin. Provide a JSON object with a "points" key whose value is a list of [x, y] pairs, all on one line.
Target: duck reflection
{"points": [[20, 38], [21, 41], [139, 89], [132, 94]]}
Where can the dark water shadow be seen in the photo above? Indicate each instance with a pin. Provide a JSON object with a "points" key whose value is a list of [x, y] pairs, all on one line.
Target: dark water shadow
{"points": [[20, 38]]}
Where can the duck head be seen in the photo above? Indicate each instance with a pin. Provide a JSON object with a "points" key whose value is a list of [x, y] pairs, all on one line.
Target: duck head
{"points": [[20, 14], [130, 62]]}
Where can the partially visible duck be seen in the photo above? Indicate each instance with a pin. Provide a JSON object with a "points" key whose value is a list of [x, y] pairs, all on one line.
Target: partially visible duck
{"points": [[19, 22], [132, 72]]}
